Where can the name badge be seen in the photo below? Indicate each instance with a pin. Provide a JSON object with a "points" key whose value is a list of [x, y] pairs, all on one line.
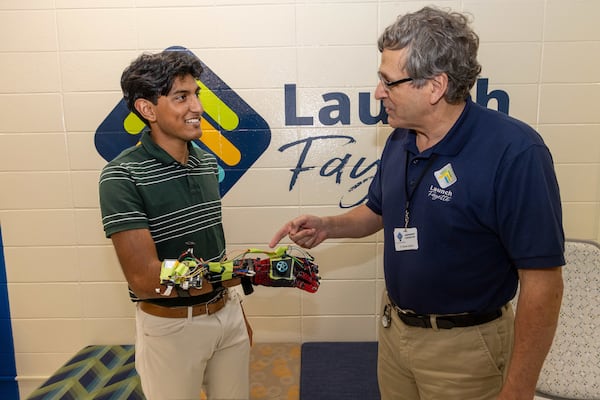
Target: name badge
{"points": [[406, 239]]}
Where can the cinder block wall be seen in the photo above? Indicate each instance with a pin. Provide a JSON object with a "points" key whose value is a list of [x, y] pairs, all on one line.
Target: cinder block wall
{"points": [[60, 63]]}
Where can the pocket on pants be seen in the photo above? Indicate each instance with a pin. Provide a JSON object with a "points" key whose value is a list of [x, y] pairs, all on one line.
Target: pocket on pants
{"points": [[152, 326], [494, 340]]}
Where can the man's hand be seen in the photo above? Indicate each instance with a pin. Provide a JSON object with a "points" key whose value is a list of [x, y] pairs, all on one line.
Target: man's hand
{"points": [[306, 231], [309, 231]]}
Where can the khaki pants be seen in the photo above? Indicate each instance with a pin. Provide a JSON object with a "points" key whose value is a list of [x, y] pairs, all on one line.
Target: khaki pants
{"points": [[446, 364], [177, 357]]}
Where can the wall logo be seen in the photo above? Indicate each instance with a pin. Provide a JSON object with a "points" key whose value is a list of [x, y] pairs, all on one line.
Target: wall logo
{"points": [[231, 130]]}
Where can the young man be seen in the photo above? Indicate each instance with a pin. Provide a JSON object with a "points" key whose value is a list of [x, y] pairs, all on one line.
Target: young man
{"points": [[469, 204], [154, 198]]}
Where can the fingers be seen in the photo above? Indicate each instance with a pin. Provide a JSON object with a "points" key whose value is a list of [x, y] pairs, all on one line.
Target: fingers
{"points": [[306, 238], [290, 229], [281, 233]]}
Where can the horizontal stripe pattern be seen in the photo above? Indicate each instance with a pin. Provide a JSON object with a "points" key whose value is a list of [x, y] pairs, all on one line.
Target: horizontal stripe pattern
{"points": [[156, 179], [145, 188]]}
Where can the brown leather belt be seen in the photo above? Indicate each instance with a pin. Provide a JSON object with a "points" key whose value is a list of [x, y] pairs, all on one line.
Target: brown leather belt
{"points": [[209, 308]]}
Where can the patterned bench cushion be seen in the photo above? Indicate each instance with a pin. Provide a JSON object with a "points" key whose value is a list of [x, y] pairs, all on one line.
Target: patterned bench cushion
{"points": [[95, 372]]}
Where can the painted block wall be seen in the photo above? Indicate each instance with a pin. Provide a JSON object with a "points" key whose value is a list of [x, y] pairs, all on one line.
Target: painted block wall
{"points": [[60, 63]]}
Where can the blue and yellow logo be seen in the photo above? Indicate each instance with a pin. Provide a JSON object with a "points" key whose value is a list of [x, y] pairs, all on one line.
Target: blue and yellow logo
{"points": [[231, 129], [446, 176]]}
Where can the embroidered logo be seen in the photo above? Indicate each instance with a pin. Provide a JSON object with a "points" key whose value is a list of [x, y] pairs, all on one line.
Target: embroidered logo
{"points": [[445, 176], [436, 193]]}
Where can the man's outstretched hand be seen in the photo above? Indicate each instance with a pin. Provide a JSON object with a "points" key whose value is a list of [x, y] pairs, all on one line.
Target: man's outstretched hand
{"points": [[306, 231]]}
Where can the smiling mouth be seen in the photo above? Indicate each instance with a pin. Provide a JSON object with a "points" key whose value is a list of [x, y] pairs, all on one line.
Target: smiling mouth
{"points": [[192, 121]]}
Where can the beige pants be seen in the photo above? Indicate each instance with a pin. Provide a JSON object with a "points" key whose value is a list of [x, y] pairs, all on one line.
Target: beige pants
{"points": [[446, 364], [177, 357]]}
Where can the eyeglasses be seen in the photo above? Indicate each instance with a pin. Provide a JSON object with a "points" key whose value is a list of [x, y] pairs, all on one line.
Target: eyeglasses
{"points": [[388, 85]]}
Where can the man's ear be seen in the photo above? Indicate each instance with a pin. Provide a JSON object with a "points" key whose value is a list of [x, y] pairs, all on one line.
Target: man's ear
{"points": [[146, 109], [439, 86]]}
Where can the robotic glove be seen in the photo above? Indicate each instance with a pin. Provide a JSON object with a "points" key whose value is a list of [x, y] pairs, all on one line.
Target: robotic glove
{"points": [[185, 272], [281, 269]]}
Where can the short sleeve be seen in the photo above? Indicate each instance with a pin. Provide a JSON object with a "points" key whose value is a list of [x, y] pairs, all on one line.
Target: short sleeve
{"points": [[121, 205], [529, 209]]}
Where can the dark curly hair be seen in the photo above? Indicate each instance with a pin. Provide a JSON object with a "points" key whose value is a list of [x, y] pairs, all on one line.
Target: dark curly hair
{"points": [[152, 75], [438, 42]]}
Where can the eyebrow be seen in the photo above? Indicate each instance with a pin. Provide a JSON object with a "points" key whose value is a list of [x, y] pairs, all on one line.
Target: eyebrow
{"points": [[385, 76], [185, 91]]}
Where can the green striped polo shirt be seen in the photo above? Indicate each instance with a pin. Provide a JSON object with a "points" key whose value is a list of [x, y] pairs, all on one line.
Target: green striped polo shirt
{"points": [[144, 187]]}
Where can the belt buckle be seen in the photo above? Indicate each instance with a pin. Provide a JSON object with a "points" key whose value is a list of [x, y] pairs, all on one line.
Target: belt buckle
{"points": [[444, 323], [417, 320], [424, 320], [214, 300], [399, 310]]}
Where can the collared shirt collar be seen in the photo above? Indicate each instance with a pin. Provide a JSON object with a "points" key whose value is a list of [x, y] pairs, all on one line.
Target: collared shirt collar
{"points": [[158, 152], [452, 143]]}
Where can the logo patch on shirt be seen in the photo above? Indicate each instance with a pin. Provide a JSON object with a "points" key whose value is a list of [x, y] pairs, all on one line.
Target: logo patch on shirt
{"points": [[445, 176], [231, 130]]}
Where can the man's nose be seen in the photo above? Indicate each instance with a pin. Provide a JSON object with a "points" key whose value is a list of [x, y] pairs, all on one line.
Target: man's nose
{"points": [[380, 92], [196, 104]]}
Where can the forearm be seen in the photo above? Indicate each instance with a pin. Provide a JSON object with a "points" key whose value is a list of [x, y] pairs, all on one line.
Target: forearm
{"points": [[356, 223], [145, 283], [141, 266], [535, 324]]}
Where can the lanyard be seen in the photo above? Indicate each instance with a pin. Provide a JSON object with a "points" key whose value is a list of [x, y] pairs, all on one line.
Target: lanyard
{"points": [[409, 195]]}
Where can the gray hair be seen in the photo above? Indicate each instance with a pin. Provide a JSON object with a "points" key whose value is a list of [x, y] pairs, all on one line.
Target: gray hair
{"points": [[438, 42]]}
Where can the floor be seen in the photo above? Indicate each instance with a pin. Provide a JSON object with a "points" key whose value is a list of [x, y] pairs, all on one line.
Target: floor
{"points": [[274, 374], [274, 371], [108, 372]]}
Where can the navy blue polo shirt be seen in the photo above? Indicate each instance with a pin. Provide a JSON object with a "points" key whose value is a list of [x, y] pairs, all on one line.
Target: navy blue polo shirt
{"points": [[485, 202]]}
